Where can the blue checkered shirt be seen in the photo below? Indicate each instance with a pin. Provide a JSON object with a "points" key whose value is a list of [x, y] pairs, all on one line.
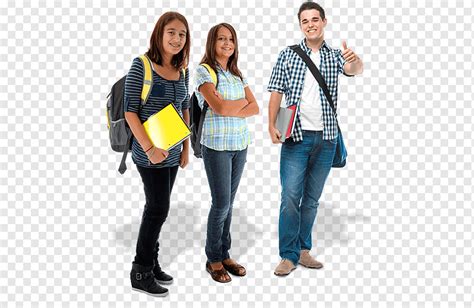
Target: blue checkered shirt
{"points": [[223, 133], [288, 78]]}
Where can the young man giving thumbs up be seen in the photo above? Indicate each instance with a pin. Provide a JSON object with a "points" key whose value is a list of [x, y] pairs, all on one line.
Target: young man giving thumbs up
{"points": [[307, 155]]}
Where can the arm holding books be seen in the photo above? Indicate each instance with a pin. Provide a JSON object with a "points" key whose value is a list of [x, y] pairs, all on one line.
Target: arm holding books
{"points": [[155, 155], [274, 106]]}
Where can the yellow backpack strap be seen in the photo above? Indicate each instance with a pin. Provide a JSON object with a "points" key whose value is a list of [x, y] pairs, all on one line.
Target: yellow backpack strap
{"points": [[211, 72], [147, 79]]}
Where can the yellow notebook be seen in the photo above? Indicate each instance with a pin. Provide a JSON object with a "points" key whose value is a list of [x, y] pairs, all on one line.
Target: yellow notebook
{"points": [[166, 128]]}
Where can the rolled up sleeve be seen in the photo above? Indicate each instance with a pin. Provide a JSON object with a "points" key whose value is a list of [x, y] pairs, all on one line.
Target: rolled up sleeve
{"points": [[278, 78]]}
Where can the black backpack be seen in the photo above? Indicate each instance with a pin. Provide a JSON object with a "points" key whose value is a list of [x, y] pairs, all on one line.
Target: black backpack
{"points": [[120, 135], [197, 115]]}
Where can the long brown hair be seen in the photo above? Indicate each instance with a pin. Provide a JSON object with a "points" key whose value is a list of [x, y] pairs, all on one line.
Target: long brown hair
{"points": [[155, 51], [210, 55]]}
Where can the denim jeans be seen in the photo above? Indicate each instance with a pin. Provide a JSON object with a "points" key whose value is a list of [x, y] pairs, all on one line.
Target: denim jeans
{"points": [[158, 183], [224, 170], [304, 168]]}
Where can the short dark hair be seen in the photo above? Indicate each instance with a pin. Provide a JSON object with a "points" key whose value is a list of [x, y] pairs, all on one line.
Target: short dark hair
{"points": [[309, 5], [155, 51]]}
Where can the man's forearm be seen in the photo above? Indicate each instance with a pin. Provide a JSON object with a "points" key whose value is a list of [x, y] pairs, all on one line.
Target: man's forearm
{"points": [[273, 107]]}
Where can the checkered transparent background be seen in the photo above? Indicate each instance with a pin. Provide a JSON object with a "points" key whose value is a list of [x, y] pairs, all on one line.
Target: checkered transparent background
{"points": [[394, 226]]}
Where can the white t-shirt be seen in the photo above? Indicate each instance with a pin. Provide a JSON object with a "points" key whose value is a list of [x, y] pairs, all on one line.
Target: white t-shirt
{"points": [[311, 112]]}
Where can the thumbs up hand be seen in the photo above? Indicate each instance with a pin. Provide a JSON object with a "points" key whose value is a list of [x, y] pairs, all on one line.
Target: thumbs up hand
{"points": [[347, 53]]}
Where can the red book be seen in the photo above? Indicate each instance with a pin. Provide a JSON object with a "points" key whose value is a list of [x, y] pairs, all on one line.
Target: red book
{"points": [[291, 125]]}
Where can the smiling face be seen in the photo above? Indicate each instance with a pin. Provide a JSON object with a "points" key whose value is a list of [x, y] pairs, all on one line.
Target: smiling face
{"points": [[225, 45], [174, 37], [312, 25]]}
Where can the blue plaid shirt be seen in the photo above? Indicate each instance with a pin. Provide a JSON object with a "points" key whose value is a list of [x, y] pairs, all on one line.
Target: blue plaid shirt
{"points": [[223, 133], [288, 78]]}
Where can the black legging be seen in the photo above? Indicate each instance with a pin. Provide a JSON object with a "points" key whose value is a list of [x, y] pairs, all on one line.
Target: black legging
{"points": [[158, 183]]}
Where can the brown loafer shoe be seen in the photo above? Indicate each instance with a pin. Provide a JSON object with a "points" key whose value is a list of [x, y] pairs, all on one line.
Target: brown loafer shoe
{"points": [[308, 261], [284, 268], [218, 275], [234, 268]]}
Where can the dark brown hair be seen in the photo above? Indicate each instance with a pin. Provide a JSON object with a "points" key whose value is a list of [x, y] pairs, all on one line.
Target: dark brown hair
{"points": [[155, 51], [210, 55], [309, 5]]}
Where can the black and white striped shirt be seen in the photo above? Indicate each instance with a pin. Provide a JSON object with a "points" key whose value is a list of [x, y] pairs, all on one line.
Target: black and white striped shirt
{"points": [[162, 94]]}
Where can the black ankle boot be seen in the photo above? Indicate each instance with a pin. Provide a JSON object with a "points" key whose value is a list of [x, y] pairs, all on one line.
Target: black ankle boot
{"points": [[143, 280], [160, 276]]}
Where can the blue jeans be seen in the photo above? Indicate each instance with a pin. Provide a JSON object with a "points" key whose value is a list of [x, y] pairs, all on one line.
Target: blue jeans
{"points": [[304, 168], [224, 170]]}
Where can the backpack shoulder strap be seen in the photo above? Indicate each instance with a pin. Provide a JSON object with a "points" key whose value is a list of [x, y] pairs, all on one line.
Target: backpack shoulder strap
{"points": [[316, 73], [147, 79], [211, 72]]}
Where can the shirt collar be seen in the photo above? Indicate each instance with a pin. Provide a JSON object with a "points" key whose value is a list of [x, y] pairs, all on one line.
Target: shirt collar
{"points": [[219, 68], [307, 49]]}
